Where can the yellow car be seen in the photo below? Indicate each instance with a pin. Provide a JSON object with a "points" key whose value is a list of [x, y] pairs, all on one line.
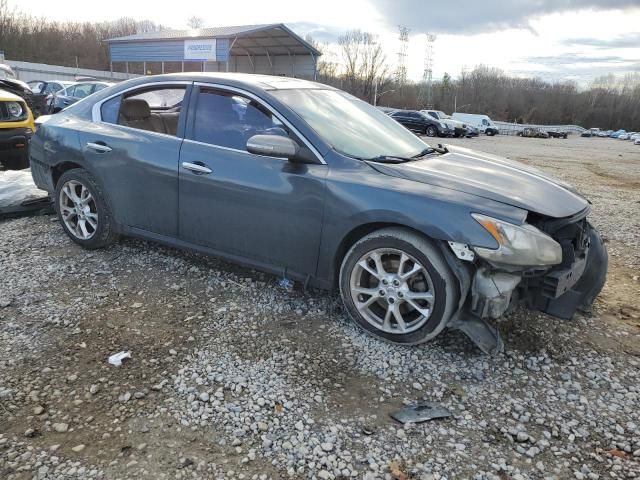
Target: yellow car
{"points": [[16, 127]]}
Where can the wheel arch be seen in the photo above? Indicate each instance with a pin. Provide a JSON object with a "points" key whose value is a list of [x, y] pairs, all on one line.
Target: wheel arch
{"points": [[60, 168], [359, 232]]}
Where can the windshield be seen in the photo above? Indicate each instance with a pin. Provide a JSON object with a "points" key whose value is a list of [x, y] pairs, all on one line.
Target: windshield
{"points": [[443, 115], [349, 125]]}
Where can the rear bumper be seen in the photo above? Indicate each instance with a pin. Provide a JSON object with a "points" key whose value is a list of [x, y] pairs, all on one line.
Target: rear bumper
{"points": [[14, 138], [14, 143], [42, 177]]}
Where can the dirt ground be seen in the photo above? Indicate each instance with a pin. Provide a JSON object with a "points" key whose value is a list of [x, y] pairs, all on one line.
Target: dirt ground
{"points": [[233, 376]]}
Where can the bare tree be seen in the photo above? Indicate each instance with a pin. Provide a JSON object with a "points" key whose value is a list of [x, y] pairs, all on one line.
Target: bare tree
{"points": [[364, 63], [195, 22]]}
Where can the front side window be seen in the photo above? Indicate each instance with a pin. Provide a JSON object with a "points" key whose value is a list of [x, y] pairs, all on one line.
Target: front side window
{"points": [[484, 121], [349, 125], [152, 109], [228, 120]]}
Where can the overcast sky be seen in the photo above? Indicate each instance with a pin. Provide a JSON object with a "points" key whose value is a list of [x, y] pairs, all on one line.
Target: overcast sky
{"points": [[553, 39]]}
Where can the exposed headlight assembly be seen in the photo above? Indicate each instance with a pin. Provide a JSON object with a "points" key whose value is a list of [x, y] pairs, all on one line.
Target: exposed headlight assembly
{"points": [[15, 109], [518, 245]]}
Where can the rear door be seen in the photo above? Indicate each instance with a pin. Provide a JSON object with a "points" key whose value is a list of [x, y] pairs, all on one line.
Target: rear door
{"points": [[133, 147], [264, 209]]}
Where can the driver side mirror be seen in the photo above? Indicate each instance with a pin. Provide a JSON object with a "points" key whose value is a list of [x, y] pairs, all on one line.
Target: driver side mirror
{"points": [[273, 146]]}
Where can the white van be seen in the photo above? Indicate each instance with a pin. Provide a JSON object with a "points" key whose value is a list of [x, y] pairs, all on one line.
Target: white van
{"points": [[481, 122]]}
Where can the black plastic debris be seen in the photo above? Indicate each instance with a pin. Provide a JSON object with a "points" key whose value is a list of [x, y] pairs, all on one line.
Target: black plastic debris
{"points": [[420, 412], [19, 196]]}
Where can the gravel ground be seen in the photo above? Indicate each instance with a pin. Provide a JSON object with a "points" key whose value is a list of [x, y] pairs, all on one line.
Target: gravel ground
{"points": [[233, 376]]}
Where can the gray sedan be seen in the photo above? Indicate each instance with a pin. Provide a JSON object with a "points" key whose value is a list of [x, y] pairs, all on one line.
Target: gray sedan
{"points": [[307, 182]]}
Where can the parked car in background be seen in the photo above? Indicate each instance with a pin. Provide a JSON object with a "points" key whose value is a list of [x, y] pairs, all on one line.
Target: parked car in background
{"points": [[471, 131], [43, 90], [557, 133], [46, 87], [459, 128], [603, 134], [482, 122], [624, 136], [587, 134], [16, 128], [533, 132], [72, 93], [617, 133], [636, 141], [421, 123], [9, 83]]}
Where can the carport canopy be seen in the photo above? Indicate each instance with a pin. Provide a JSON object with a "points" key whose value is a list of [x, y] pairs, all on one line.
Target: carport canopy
{"points": [[270, 49]]}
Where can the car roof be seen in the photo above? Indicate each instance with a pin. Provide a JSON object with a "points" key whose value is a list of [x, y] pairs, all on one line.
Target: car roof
{"points": [[264, 82]]}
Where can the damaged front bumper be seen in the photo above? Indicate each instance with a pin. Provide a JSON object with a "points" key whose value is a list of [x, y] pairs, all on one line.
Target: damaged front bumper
{"points": [[560, 291]]}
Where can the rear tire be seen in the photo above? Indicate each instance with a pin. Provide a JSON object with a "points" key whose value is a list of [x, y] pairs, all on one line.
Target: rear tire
{"points": [[83, 210], [385, 299]]}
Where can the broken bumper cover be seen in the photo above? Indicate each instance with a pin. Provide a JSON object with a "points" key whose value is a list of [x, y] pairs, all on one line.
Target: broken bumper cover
{"points": [[560, 293], [564, 292]]}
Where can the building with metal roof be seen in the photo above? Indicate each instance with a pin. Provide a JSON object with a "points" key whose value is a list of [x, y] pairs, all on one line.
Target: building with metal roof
{"points": [[272, 49]]}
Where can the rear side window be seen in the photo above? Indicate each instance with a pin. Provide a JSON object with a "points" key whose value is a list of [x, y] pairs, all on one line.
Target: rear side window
{"points": [[151, 109], [228, 120]]}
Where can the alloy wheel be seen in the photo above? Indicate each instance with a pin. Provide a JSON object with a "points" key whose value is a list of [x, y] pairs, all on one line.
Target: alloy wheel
{"points": [[392, 290], [78, 210]]}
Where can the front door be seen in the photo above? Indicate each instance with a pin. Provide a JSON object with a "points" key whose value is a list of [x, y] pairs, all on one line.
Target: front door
{"points": [[264, 209]]}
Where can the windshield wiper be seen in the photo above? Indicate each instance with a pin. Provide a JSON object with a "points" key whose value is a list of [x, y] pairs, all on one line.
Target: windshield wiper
{"points": [[398, 159]]}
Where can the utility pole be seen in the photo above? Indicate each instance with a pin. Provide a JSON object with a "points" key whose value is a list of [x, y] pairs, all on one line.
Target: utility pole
{"points": [[425, 99], [401, 71]]}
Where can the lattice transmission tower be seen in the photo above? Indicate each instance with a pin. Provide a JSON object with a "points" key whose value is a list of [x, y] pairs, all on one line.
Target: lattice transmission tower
{"points": [[426, 90], [401, 71]]}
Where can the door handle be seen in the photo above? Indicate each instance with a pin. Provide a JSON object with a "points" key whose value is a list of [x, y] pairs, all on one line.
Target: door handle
{"points": [[196, 168], [98, 147]]}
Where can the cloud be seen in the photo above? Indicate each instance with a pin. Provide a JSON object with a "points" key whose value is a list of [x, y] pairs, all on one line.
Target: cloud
{"points": [[575, 59], [320, 33], [469, 16], [630, 40]]}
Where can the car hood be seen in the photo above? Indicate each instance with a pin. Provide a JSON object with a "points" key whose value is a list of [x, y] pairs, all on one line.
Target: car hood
{"points": [[13, 84], [492, 177]]}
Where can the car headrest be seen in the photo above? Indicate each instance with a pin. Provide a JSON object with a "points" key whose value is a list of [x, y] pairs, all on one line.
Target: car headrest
{"points": [[135, 109]]}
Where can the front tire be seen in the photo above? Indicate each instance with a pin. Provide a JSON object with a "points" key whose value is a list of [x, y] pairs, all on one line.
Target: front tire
{"points": [[431, 131], [396, 285], [83, 211]]}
